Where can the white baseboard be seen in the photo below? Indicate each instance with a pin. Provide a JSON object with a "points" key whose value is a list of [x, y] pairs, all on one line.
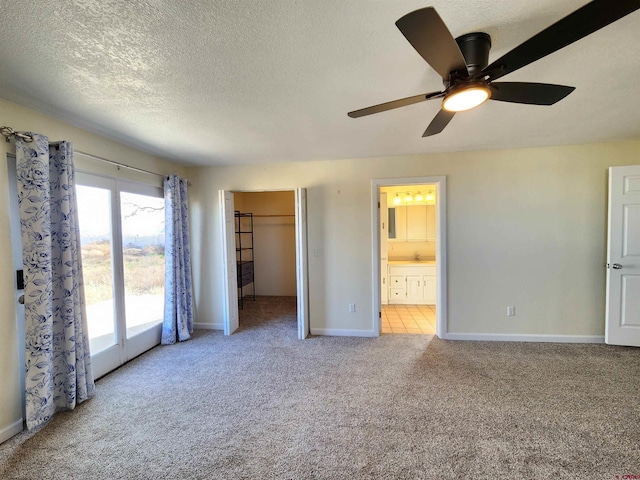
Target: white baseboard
{"points": [[8, 432], [339, 332], [208, 326], [516, 337]]}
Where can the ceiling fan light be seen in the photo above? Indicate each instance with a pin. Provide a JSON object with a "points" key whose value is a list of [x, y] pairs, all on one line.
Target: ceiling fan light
{"points": [[466, 98]]}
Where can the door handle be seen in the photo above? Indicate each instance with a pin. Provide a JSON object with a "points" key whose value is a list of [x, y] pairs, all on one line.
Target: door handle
{"points": [[21, 299], [616, 266]]}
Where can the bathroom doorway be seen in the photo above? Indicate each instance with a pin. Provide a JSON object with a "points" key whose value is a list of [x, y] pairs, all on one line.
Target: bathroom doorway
{"points": [[409, 258]]}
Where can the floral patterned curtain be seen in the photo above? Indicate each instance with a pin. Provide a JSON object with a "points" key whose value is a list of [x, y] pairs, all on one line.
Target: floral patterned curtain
{"points": [[178, 303], [58, 365]]}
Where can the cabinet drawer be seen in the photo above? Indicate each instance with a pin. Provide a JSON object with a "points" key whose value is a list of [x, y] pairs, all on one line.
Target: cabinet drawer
{"points": [[244, 268], [397, 281], [397, 294], [245, 279]]}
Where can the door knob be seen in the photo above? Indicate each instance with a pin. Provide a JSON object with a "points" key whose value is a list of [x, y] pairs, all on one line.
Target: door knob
{"points": [[21, 299], [616, 266]]}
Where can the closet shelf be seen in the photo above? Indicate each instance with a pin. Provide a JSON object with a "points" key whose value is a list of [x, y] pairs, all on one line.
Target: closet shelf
{"points": [[244, 256]]}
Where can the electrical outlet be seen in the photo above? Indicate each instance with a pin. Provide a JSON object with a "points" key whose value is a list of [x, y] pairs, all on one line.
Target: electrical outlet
{"points": [[352, 307], [511, 311]]}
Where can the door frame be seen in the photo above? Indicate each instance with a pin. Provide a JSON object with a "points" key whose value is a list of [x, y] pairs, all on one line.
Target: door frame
{"points": [[230, 314], [16, 252], [440, 183], [230, 282]]}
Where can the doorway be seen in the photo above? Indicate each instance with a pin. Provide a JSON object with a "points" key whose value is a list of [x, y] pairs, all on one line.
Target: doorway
{"points": [[409, 255], [278, 256]]}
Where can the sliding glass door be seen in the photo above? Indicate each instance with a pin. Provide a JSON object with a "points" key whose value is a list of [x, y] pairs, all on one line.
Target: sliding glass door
{"points": [[122, 235], [142, 221]]}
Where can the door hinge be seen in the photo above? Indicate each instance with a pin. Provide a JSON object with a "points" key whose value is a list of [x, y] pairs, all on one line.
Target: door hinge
{"points": [[379, 314], [378, 204]]}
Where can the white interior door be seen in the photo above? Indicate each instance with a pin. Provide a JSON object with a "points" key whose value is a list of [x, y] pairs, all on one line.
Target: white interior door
{"points": [[230, 278], [623, 257], [384, 248], [302, 263]]}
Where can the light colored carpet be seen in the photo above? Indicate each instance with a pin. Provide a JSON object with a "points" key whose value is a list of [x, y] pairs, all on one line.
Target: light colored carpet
{"points": [[262, 404]]}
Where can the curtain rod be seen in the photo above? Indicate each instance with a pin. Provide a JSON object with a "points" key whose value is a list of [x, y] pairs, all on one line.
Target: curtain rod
{"points": [[8, 132], [118, 164]]}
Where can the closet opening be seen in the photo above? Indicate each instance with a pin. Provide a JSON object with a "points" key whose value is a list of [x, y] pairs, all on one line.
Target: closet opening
{"points": [[266, 260]]}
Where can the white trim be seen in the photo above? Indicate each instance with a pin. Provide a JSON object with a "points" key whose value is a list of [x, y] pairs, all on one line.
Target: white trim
{"points": [[441, 245], [302, 265], [341, 332], [516, 337], [13, 429], [229, 273], [16, 253], [208, 326]]}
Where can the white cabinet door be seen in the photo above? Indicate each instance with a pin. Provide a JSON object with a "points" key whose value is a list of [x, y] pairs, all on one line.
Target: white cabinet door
{"points": [[429, 282], [384, 248], [414, 288], [431, 223], [384, 283], [417, 223], [401, 224]]}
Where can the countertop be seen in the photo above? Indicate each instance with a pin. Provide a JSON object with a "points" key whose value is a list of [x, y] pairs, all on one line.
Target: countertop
{"points": [[411, 262]]}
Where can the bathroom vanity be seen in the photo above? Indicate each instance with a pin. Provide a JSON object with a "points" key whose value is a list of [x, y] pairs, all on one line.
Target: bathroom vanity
{"points": [[412, 282]]}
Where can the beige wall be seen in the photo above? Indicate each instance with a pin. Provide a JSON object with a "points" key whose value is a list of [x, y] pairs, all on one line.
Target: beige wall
{"points": [[24, 119], [274, 240], [526, 227]]}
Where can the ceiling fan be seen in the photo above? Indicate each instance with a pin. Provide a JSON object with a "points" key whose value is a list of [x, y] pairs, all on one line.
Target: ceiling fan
{"points": [[463, 62]]}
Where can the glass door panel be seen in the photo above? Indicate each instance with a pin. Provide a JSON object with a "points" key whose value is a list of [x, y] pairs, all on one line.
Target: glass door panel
{"points": [[142, 218], [94, 218]]}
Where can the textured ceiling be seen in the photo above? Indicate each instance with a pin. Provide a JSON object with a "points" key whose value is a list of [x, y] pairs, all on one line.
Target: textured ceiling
{"points": [[254, 81]]}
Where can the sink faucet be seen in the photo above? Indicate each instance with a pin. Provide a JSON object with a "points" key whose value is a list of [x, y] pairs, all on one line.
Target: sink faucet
{"points": [[417, 257]]}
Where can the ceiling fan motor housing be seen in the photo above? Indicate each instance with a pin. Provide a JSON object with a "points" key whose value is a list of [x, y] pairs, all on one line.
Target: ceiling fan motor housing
{"points": [[475, 50]]}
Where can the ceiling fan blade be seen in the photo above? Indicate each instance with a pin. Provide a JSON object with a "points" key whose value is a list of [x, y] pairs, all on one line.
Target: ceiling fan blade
{"points": [[438, 123], [530, 93], [403, 102], [584, 21], [428, 34]]}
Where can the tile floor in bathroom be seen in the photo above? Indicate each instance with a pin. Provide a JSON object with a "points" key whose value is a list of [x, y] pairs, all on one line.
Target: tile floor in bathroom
{"points": [[415, 319]]}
